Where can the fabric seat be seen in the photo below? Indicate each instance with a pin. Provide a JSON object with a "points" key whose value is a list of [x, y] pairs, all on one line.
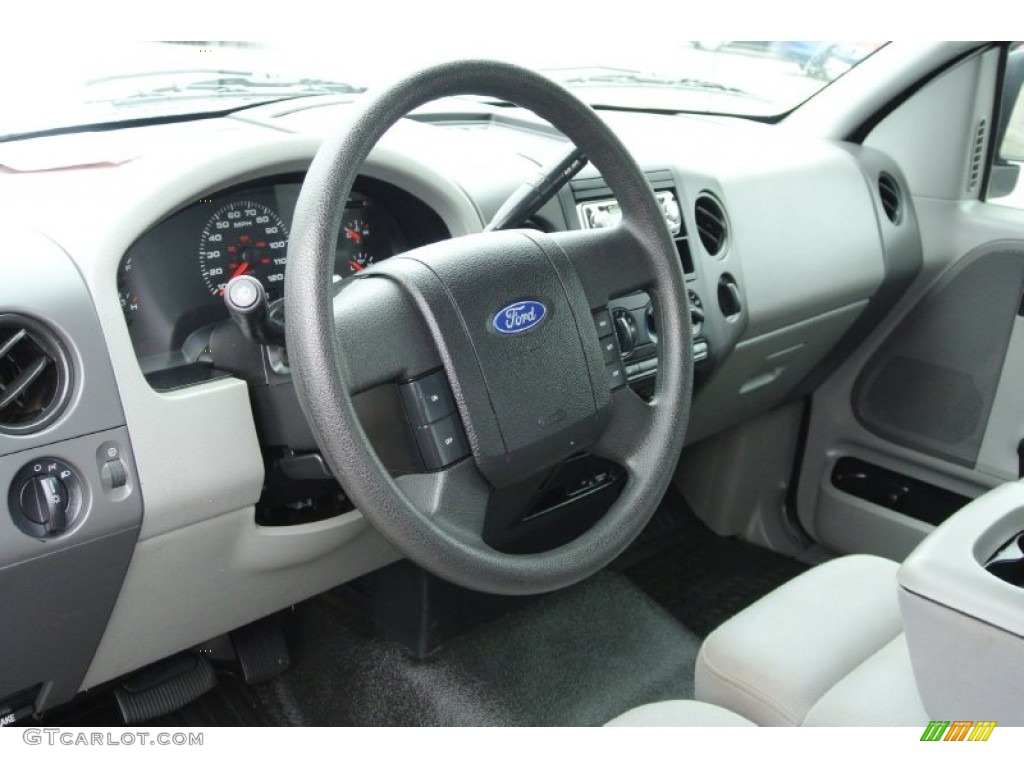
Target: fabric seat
{"points": [[679, 713], [826, 648]]}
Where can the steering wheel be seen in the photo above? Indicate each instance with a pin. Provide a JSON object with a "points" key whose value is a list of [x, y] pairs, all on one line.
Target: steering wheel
{"points": [[530, 386]]}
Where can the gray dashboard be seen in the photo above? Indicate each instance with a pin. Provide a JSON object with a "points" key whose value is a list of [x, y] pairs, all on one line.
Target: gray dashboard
{"points": [[786, 245], [62, 564]]}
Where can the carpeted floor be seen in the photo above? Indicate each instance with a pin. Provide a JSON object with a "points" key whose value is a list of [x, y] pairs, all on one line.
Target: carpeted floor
{"points": [[627, 636], [577, 657], [702, 578]]}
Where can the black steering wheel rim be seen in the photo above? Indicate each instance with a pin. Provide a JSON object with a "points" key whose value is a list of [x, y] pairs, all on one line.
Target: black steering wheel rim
{"points": [[322, 374]]}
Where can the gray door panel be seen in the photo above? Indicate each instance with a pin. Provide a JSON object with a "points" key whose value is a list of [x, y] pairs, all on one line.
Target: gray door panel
{"points": [[935, 395]]}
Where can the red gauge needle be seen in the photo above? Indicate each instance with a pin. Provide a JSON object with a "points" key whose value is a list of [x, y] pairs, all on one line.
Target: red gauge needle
{"points": [[239, 270], [356, 265], [353, 234]]}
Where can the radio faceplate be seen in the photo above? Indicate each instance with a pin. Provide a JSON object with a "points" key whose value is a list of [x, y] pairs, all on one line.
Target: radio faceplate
{"points": [[634, 315], [604, 214]]}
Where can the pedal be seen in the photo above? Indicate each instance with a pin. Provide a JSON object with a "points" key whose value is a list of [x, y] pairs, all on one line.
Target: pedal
{"points": [[261, 650], [164, 687]]}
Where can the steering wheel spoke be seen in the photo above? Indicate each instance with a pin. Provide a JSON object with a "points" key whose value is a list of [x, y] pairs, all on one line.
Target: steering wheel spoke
{"points": [[380, 335], [455, 498], [624, 439], [609, 262]]}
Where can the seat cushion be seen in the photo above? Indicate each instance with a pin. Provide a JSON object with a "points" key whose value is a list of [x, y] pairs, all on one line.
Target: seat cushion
{"points": [[881, 691], [674, 714], [773, 661]]}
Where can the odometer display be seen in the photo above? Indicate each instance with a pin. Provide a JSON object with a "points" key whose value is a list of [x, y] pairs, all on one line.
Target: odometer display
{"points": [[244, 238]]}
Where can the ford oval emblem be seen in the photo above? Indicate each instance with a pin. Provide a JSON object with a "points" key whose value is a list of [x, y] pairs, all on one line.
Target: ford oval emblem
{"points": [[519, 317]]}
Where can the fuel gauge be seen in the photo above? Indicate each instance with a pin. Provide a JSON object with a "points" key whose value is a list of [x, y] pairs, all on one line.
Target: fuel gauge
{"points": [[354, 245]]}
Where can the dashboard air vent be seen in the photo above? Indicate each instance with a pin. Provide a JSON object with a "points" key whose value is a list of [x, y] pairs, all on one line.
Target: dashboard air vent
{"points": [[977, 157], [892, 197], [711, 224], [35, 377]]}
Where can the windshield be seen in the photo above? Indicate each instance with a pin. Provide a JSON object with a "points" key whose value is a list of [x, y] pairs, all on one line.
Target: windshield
{"points": [[91, 85]]}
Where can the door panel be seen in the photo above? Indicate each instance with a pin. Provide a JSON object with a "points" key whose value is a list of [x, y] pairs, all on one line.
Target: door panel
{"points": [[931, 406], [936, 394], [931, 384]]}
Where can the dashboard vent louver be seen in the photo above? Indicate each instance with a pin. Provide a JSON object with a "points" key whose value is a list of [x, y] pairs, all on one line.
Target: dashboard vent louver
{"points": [[35, 376], [712, 226], [892, 197], [977, 152]]}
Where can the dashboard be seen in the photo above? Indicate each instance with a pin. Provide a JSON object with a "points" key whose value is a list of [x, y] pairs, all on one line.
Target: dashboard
{"points": [[174, 545], [171, 280]]}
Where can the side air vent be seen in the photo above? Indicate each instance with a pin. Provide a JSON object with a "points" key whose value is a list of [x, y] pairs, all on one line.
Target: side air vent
{"points": [[35, 377], [977, 156], [712, 226], [892, 197]]}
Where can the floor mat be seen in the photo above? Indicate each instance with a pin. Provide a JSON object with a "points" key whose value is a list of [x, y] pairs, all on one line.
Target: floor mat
{"points": [[703, 579], [576, 657]]}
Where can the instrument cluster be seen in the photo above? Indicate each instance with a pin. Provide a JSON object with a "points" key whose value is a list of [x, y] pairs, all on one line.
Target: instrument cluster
{"points": [[171, 281]]}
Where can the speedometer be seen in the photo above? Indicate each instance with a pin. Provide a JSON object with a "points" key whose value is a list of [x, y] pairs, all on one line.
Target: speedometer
{"points": [[244, 238]]}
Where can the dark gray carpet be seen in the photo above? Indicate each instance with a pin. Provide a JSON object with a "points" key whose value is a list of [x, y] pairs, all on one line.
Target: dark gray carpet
{"points": [[625, 637], [702, 578], [577, 657]]}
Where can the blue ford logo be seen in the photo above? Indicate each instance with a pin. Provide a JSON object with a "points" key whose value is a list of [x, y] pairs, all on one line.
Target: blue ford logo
{"points": [[519, 317]]}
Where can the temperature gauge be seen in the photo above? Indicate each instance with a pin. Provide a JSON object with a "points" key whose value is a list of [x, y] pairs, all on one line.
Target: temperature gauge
{"points": [[126, 293], [354, 245]]}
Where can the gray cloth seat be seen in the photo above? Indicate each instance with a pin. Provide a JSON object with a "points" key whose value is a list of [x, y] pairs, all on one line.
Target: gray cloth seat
{"points": [[673, 714], [826, 648]]}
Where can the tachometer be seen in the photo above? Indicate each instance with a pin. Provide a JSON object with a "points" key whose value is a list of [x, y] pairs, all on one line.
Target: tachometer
{"points": [[244, 238]]}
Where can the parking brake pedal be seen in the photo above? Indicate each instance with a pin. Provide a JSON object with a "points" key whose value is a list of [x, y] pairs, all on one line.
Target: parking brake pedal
{"points": [[164, 687], [261, 650]]}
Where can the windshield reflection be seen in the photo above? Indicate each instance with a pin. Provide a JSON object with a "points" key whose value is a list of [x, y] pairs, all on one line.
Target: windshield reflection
{"points": [[97, 84]]}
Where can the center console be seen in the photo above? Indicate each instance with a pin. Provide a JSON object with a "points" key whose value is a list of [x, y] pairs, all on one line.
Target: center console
{"points": [[962, 598], [633, 316]]}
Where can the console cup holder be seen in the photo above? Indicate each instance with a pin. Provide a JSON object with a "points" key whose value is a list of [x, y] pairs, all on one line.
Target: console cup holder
{"points": [[1008, 561]]}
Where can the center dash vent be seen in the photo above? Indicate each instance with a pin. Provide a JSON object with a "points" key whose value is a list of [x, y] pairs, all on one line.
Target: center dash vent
{"points": [[712, 226], [35, 377], [892, 197]]}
